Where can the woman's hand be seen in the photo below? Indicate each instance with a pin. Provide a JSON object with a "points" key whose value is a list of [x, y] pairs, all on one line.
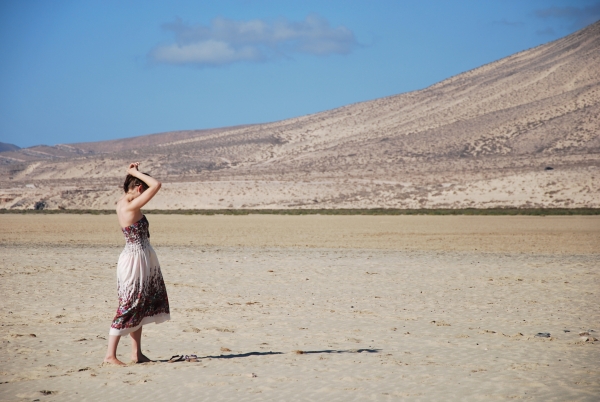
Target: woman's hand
{"points": [[133, 168]]}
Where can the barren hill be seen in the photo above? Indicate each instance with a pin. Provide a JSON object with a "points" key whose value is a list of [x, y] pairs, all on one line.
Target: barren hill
{"points": [[523, 131], [8, 147]]}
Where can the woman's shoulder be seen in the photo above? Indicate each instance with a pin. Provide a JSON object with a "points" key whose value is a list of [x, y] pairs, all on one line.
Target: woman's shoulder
{"points": [[123, 206], [121, 202]]}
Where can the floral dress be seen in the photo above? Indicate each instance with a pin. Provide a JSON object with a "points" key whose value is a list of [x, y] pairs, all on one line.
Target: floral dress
{"points": [[142, 292]]}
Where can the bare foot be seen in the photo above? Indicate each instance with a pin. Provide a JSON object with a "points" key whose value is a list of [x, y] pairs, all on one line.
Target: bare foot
{"points": [[141, 358], [114, 360]]}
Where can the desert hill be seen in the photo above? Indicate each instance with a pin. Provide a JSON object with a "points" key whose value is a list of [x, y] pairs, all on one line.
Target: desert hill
{"points": [[523, 131], [8, 147]]}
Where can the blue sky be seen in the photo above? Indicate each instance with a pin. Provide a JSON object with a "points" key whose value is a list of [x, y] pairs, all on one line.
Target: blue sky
{"points": [[77, 71]]}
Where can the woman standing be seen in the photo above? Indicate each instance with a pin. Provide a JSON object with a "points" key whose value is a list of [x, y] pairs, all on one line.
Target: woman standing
{"points": [[142, 293]]}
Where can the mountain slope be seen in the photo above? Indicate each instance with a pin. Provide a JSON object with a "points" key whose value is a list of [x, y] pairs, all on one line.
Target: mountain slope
{"points": [[8, 147], [483, 138]]}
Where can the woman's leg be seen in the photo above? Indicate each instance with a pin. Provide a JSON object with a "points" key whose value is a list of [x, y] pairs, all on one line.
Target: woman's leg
{"points": [[136, 347], [111, 352]]}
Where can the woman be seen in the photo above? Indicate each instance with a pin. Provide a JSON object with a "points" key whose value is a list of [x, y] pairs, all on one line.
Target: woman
{"points": [[142, 293]]}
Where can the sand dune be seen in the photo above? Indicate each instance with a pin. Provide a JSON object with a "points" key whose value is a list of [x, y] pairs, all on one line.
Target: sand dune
{"points": [[484, 138]]}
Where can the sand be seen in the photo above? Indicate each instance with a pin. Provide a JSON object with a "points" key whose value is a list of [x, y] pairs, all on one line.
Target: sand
{"points": [[383, 308]]}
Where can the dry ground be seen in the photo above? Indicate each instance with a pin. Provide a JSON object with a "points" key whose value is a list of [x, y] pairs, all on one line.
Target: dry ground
{"points": [[414, 307]]}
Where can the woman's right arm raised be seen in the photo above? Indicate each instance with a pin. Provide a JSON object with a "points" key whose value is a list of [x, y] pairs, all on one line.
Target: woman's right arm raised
{"points": [[153, 187]]}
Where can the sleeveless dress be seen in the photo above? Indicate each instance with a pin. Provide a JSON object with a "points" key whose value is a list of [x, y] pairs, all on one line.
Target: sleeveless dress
{"points": [[142, 292]]}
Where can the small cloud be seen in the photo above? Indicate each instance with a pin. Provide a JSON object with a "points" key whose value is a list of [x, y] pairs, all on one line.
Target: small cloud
{"points": [[507, 23], [209, 52], [226, 41], [577, 17]]}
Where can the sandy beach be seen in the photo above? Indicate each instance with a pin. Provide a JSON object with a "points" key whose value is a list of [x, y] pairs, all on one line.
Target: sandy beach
{"points": [[309, 308]]}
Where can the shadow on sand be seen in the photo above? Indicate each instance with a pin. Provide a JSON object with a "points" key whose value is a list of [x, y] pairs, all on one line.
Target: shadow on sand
{"points": [[299, 352]]}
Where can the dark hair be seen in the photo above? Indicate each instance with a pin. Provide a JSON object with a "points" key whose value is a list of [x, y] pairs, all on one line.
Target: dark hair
{"points": [[132, 182]]}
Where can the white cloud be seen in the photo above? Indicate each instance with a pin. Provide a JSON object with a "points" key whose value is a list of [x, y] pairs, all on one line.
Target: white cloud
{"points": [[209, 52], [226, 41]]}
